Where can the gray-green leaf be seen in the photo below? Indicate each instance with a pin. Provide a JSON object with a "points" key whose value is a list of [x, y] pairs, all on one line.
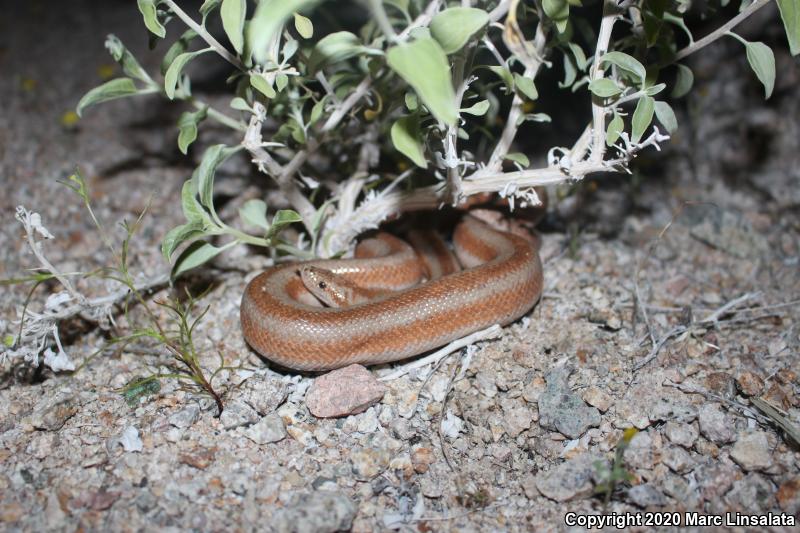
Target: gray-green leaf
{"points": [[407, 139], [423, 64], [121, 55], [196, 254], [262, 85], [626, 62], [187, 127], [254, 213], [642, 117], [303, 26], [684, 80], [453, 27], [614, 129], [148, 10], [604, 88], [790, 13], [519, 158], [334, 48], [478, 109], [267, 21], [177, 236], [666, 116], [233, 13], [110, 90], [762, 61], [174, 71], [214, 156], [282, 218], [192, 210], [526, 86], [558, 12]]}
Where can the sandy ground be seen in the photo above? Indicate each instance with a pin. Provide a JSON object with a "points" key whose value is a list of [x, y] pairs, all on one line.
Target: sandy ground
{"points": [[533, 419]]}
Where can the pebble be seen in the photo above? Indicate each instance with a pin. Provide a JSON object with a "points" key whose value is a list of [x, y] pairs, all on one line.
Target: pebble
{"points": [[751, 451], [677, 459], [264, 393], [422, 458], [267, 430], [186, 416], [722, 384], [596, 397], [346, 391], [317, 512], [750, 384], [570, 480], [369, 462], [646, 495], [562, 410], [50, 414], [237, 414], [516, 416], [715, 425], [681, 434], [485, 382], [788, 496], [751, 494], [641, 451]]}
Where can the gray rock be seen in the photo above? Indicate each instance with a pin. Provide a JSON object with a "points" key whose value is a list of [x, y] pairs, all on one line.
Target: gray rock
{"points": [[317, 512], [562, 410], [346, 391], [646, 495], [568, 481], [516, 416], [715, 425], [51, 414], [596, 397], [751, 494], [269, 429], [751, 451], [369, 462], [263, 393], [237, 414], [677, 459], [485, 382], [186, 416], [680, 433], [641, 451]]}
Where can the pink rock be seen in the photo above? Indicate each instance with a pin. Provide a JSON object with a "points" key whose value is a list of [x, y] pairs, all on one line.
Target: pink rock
{"points": [[346, 391]]}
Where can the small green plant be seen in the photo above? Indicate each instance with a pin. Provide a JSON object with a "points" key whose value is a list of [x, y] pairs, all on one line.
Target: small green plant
{"points": [[338, 111], [610, 479], [176, 335]]}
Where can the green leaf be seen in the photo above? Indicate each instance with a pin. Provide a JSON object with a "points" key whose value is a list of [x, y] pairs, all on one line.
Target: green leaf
{"points": [[790, 13], [303, 26], [505, 74], [626, 62], [526, 86], [110, 90], [519, 158], [479, 109], [214, 156], [453, 27], [614, 129], [683, 82], [266, 24], [254, 213], [282, 218], [233, 13], [261, 84], [240, 104], [173, 74], [642, 117], [762, 61], [178, 47], [316, 111], [196, 254], [604, 88], [407, 139], [129, 65], [558, 12], [666, 116], [187, 127], [411, 101], [192, 210], [179, 235], [423, 64], [148, 10], [334, 48], [208, 6], [655, 89]]}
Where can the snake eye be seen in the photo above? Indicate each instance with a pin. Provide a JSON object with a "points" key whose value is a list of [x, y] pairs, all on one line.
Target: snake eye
{"points": [[322, 285]]}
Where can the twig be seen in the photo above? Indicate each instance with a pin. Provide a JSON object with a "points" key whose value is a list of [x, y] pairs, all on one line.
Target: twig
{"points": [[713, 317], [488, 333], [707, 394], [610, 16], [207, 37], [721, 31]]}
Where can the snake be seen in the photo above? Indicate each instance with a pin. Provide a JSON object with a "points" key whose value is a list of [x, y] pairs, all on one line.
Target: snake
{"points": [[392, 300]]}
